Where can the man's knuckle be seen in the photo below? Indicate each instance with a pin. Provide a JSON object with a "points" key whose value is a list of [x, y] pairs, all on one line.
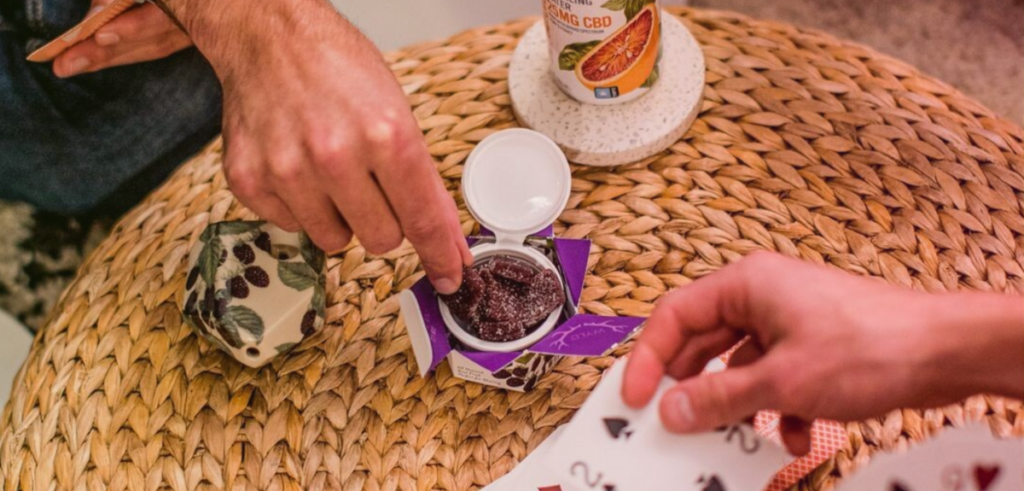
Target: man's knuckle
{"points": [[382, 243], [286, 169], [396, 144], [330, 150], [419, 229], [241, 180], [384, 132], [328, 238]]}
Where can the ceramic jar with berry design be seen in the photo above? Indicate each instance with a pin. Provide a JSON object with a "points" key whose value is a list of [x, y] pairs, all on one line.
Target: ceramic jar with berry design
{"points": [[254, 290]]}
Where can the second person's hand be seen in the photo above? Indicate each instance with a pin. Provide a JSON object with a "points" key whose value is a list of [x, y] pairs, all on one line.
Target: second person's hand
{"points": [[822, 344], [140, 34]]}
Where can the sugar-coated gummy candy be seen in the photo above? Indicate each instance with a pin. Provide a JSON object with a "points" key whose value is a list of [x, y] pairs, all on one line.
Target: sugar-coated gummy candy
{"points": [[511, 269], [502, 299], [500, 331], [545, 292], [464, 302]]}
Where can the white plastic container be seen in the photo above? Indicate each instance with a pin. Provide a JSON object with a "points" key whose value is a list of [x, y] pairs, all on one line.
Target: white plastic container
{"points": [[604, 51], [515, 182]]}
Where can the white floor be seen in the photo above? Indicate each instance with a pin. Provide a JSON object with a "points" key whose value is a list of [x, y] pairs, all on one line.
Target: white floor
{"points": [[13, 348], [393, 24]]}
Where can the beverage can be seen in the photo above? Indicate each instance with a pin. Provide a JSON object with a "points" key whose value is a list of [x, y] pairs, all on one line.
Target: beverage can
{"points": [[604, 51]]}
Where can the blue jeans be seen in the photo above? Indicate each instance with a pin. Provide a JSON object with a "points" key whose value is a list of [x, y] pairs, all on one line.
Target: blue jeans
{"points": [[95, 143]]}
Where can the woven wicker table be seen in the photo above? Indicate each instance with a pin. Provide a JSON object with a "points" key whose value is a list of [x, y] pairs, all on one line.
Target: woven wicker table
{"points": [[807, 145]]}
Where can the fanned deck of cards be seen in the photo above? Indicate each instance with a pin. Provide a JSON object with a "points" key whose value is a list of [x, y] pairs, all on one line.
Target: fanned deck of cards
{"points": [[965, 459], [610, 447], [826, 438]]}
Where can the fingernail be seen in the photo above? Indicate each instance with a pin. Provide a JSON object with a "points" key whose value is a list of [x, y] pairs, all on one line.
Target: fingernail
{"points": [[107, 38], [93, 10], [446, 286], [75, 67], [683, 411]]}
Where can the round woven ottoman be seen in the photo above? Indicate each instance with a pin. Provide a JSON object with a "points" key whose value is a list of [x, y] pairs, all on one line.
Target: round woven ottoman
{"points": [[806, 145]]}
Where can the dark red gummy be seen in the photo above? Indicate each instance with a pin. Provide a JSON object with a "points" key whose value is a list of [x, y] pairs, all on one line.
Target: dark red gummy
{"points": [[511, 269], [504, 299], [544, 294], [465, 302], [500, 331]]}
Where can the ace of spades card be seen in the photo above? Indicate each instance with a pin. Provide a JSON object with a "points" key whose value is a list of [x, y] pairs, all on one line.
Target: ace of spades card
{"points": [[966, 459], [609, 446]]}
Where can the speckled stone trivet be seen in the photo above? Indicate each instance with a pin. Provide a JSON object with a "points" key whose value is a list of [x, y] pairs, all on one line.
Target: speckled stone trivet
{"points": [[614, 134]]}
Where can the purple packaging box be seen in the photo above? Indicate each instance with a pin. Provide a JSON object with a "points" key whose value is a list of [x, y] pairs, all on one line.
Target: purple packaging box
{"points": [[576, 334]]}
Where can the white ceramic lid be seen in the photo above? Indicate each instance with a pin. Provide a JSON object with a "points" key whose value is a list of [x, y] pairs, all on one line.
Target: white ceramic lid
{"points": [[516, 182]]}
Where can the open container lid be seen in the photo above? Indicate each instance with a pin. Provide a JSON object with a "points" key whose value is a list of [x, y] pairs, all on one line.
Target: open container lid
{"points": [[516, 182]]}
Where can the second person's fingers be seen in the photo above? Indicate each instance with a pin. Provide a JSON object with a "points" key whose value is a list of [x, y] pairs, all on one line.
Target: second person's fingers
{"points": [[796, 435], [140, 34], [709, 401], [700, 350], [718, 301], [143, 22]]}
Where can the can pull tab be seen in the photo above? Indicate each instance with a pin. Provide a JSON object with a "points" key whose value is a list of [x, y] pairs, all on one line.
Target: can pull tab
{"points": [[516, 182]]}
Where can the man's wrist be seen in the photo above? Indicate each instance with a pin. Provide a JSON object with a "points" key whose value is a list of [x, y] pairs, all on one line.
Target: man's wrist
{"points": [[976, 344], [231, 31]]}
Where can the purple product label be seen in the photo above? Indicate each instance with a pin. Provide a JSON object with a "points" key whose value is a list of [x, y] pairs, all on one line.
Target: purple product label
{"points": [[587, 335], [491, 361], [432, 320], [573, 255]]}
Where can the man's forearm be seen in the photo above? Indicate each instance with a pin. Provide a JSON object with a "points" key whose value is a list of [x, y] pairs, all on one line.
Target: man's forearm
{"points": [[979, 344], [228, 31]]}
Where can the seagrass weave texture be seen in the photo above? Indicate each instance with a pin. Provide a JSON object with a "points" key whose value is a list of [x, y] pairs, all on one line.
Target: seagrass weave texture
{"points": [[807, 145]]}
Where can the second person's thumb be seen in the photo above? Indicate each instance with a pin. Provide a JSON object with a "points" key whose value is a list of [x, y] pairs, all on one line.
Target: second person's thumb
{"points": [[706, 402]]}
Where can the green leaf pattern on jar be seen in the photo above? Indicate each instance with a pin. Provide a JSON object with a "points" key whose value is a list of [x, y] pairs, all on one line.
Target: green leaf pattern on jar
{"points": [[298, 276], [572, 54], [242, 318]]}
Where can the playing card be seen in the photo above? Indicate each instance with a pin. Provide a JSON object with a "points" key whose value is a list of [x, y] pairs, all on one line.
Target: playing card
{"points": [[826, 437], [968, 459], [81, 31], [610, 447]]}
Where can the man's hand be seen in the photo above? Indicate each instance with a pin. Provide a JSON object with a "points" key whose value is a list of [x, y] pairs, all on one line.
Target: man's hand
{"points": [[822, 344], [140, 34], [318, 134]]}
